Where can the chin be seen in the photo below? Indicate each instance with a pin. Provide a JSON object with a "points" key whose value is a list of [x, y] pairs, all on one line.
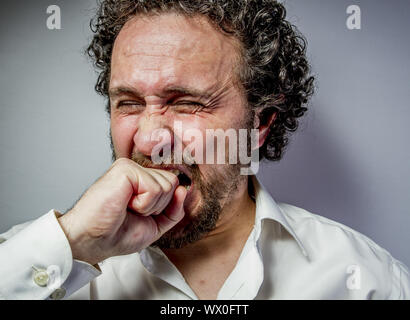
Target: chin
{"points": [[193, 227]]}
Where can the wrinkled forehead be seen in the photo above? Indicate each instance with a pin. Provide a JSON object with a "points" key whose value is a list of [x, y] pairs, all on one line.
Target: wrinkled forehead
{"points": [[174, 46]]}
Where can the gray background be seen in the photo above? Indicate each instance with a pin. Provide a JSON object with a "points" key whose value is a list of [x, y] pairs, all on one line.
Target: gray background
{"points": [[350, 160]]}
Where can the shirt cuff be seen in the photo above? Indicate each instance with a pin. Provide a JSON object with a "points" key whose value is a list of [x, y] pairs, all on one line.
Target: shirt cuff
{"points": [[38, 263]]}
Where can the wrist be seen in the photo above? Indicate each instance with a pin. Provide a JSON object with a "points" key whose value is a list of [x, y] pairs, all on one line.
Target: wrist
{"points": [[66, 224]]}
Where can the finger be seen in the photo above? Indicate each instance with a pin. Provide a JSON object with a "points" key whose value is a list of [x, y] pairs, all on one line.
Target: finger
{"points": [[173, 213], [147, 195], [168, 175], [143, 204], [146, 191], [168, 185], [159, 191]]}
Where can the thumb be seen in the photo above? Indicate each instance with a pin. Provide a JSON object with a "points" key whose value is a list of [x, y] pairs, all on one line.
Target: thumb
{"points": [[174, 211]]}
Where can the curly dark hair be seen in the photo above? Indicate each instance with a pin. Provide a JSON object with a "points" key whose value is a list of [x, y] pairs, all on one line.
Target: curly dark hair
{"points": [[275, 73]]}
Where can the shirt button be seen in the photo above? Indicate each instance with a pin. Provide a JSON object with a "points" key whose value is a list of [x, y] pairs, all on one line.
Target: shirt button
{"points": [[58, 294], [41, 278]]}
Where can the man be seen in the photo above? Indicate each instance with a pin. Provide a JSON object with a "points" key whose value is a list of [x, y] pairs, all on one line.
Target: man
{"points": [[179, 230]]}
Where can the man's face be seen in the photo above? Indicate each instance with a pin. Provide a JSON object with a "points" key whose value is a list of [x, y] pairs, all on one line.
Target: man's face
{"points": [[170, 68]]}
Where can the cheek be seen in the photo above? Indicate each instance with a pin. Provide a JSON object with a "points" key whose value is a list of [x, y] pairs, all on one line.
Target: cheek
{"points": [[123, 130], [194, 137]]}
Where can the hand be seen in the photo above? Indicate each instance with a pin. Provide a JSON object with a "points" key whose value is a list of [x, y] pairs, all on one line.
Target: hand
{"points": [[125, 211]]}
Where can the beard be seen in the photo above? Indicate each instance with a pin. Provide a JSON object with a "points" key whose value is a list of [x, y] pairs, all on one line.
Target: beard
{"points": [[216, 192]]}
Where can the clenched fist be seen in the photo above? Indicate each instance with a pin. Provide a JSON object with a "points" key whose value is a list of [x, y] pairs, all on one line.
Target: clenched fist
{"points": [[125, 211]]}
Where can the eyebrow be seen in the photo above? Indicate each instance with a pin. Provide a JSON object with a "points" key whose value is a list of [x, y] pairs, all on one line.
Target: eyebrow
{"points": [[115, 92], [176, 90], [187, 92]]}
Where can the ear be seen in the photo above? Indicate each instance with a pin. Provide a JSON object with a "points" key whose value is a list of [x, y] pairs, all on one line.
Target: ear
{"points": [[264, 126], [264, 119]]}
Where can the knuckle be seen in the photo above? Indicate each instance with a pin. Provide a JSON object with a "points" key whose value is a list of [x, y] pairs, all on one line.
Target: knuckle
{"points": [[168, 186], [121, 162], [116, 173], [156, 190], [143, 206], [174, 181]]}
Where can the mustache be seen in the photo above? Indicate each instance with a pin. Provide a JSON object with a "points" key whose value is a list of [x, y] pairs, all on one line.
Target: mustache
{"points": [[146, 162]]}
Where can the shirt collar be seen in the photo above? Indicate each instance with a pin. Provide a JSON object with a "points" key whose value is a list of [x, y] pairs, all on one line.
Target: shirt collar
{"points": [[267, 208], [157, 263]]}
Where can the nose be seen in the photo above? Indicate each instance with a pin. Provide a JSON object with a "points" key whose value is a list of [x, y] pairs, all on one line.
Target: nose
{"points": [[152, 138]]}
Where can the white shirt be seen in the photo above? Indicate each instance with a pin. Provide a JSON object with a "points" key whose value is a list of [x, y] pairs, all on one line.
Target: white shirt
{"points": [[290, 254]]}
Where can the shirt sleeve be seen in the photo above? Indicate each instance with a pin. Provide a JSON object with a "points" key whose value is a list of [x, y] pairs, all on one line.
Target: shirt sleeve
{"points": [[37, 263], [401, 281]]}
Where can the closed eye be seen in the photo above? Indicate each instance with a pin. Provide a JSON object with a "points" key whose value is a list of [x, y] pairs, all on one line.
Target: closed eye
{"points": [[190, 103], [183, 106], [130, 105], [187, 106]]}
